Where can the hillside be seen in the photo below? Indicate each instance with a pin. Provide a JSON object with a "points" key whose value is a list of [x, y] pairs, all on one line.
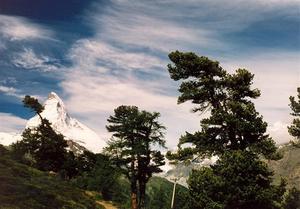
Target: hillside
{"points": [[289, 166], [24, 187]]}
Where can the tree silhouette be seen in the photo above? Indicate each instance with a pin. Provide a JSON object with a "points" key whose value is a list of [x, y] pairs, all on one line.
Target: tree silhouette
{"points": [[234, 131], [42, 143], [135, 133]]}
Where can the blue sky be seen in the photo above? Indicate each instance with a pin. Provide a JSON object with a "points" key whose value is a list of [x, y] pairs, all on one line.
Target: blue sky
{"points": [[97, 55]]}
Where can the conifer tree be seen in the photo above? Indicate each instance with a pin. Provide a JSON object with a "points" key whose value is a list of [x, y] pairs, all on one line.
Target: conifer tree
{"points": [[131, 147], [294, 129], [43, 144], [234, 131]]}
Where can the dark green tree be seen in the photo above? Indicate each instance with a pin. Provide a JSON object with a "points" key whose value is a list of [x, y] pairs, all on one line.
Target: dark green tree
{"points": [[238, 180], [233, 126], [99, 175], [46, 147], [135, 133], [294, 129], [149, 160], [33, 104]]}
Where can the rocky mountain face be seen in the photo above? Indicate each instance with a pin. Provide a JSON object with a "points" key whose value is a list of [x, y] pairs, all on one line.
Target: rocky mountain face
{"points": [[289, 166], [78, 136]]}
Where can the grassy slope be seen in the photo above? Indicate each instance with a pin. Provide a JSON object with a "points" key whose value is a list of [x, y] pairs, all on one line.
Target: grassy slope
{"points": [[24, 187], [289, 166]]}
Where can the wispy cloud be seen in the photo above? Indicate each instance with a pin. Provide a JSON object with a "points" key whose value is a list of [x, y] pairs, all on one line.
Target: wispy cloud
{"points": [[124, 60], [10, 91], [93, 97], [18, 93], [152, 33], [30, 60], [18, 28], [95, 54], [185, 25], [103, 77], [132, 38], [11, 123], [277, 75], [93, 91]]}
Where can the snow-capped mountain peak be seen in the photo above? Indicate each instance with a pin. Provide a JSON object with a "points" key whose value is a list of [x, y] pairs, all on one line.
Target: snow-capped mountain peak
{"points": [[56, 112]]}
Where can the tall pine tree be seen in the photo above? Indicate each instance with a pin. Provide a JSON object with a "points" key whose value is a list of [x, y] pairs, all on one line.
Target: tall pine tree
{"points": [[135, 133], [234, 131]]}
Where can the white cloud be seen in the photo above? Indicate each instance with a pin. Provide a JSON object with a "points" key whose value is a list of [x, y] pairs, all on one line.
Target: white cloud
{"points": [[30, 60], [150, 25], [279, 132], [11, 123], [95, 54], [277, 75], [93, 94], [18, 28], [10, 91], [94, 89], [102, 76], [93, 99], [183, 25]]}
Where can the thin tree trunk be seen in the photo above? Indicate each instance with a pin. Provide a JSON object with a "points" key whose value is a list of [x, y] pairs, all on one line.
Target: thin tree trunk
{"points": [[134, 202], [142, 195]]}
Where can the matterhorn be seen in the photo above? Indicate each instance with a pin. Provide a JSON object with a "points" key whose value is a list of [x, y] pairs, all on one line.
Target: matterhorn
{"points": [[78, 136]]}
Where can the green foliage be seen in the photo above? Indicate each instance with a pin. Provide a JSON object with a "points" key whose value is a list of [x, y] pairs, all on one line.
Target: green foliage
{"points": [[46, 149], [24, 187], [101, 177], [33, 104], [294, 129], [234, 123], [135, 133], [234, 131], [75, 165], [237, 180]]}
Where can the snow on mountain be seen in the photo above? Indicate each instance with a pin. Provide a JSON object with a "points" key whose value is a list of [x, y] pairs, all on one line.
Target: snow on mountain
{"points": [[56, 112]]}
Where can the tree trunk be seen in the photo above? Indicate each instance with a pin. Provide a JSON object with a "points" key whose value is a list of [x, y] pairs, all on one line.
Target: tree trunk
{"points": [[142, 195], [134, 200]]}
